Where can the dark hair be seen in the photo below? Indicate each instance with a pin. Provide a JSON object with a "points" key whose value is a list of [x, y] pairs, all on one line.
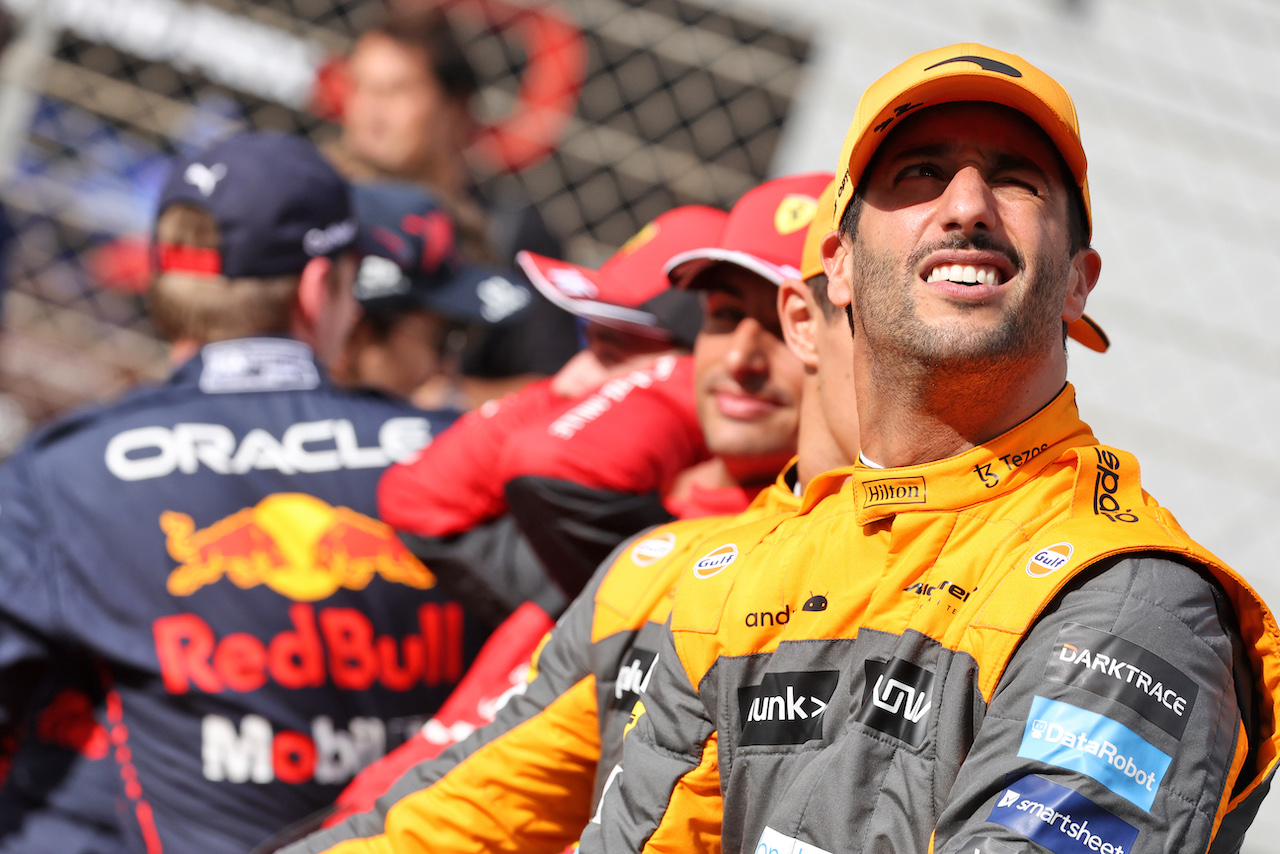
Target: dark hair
{"points": [[818, 287], [427, 29]]}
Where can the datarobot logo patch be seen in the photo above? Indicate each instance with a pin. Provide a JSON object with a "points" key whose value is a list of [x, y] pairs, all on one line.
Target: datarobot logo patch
{"points": [[1058, 818], [1117, 757], [786, 708], [897, 699], [1114, 668]]}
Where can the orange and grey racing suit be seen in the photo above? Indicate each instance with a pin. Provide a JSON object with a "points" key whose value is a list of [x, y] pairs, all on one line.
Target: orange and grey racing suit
{"points": [[1016, 643]]}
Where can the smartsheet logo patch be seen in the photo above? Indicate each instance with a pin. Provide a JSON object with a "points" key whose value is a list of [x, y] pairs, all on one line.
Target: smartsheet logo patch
{"points": [[1060, 819]]}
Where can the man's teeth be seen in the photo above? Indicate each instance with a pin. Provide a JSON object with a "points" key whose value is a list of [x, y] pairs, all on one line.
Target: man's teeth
{"points": [[964, 274]]}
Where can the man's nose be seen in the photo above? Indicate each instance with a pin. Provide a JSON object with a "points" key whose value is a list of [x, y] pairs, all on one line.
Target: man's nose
{"points": [[968, 204], [748, 360]]}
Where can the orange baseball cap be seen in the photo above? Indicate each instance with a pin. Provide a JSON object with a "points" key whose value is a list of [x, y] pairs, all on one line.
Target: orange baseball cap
{"points": [[822, 225], [967, 72], [617, 293], [764, 232]]}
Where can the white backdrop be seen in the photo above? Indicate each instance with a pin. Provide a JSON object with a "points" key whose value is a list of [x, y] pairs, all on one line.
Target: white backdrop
{"points": [[1179, 105]]}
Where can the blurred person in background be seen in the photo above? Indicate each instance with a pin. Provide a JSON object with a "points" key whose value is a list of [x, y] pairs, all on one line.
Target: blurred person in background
{"points": [[407, 115], [420, 299], [530, 781], [601, 442], [209, 546]]}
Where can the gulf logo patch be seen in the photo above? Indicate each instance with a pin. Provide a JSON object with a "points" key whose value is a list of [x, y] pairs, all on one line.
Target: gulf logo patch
{"points": [[713, 563], [652, 549], [1050, 559]]}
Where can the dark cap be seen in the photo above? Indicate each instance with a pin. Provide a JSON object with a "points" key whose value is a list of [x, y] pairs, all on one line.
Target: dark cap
{"points": [[412, 260], [275, 199]]}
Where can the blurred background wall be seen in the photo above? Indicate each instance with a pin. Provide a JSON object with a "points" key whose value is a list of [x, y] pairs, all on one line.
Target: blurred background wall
{"points": [[684, 102]]}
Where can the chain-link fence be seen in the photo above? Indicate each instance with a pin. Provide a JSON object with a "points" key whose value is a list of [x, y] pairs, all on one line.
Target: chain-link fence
{"points": [[677, 104]]}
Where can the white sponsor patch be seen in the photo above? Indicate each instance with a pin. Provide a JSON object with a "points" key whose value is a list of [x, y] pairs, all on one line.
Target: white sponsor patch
{"points": [[500, 298], [1050, 559], [205, 178], [257, 364], [713, 563], [773, 842], [652, 549]]}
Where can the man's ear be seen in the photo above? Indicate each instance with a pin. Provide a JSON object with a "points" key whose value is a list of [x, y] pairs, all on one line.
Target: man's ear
{"points": [[312, 299], [835, 261], [799, 315], [1085, 269]]}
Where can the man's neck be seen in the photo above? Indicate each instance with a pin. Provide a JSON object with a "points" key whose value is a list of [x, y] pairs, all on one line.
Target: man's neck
{"points": [[183, 350], [818, 448], [911, 413]]}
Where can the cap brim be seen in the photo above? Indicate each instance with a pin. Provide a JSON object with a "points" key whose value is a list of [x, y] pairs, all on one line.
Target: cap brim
{"points": [[684, 268], [1089, 333], [539, 270]]}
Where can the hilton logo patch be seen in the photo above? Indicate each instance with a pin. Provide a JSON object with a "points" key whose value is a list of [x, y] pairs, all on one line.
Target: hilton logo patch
{"points": [[894, 490], [1049, 560], [713, 563]]}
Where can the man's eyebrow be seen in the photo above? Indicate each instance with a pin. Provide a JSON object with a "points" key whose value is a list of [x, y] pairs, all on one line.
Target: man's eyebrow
{"points": [[931, 149], [1010, 161]]}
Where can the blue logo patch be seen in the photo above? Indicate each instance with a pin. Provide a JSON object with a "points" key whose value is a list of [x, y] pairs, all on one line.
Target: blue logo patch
{"points": [[1060, 819], [1109, 752]]}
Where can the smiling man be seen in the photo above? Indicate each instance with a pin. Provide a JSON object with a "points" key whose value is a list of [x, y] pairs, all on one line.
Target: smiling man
{"points": [[1017, 648]]}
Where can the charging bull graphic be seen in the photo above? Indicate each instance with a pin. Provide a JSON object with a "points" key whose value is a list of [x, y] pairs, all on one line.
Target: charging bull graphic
{"points": [[297, 545]]}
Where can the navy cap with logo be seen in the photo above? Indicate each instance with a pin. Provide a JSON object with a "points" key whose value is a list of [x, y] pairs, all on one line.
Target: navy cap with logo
{"points": [[275, 199], [412, 260]]}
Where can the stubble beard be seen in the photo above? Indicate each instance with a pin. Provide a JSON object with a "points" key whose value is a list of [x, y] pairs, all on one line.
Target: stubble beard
{"points": [[901, 344]]}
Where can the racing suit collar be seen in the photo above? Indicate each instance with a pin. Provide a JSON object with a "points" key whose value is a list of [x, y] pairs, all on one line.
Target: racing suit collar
{"points": [[1001, 465]]}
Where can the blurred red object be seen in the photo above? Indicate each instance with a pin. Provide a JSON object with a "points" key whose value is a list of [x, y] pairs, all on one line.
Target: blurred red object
{"points": [[123, 265]]}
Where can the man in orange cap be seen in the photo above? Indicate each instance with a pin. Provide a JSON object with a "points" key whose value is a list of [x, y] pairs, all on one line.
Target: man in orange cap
{"points": [[996, 640]]}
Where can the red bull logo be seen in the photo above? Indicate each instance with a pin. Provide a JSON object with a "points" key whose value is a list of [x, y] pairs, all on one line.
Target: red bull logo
{"points": [[323, 646], [297, 545]]}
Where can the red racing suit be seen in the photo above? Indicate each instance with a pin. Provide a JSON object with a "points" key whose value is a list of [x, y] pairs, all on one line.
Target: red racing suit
{"points": [[1016, 643], [529, 782], [534, 480]]}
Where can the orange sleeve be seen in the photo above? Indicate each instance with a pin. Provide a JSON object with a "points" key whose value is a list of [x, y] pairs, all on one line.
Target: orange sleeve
{"points": [[528, 790]]}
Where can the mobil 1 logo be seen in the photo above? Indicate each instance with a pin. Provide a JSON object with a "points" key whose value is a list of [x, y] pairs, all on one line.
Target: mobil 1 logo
{"points": [[1114, 668], [785, 708], [897, 699]]}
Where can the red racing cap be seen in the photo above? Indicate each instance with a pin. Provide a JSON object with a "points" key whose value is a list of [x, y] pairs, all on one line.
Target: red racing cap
{"points": [[627, 291], [764, 232]]}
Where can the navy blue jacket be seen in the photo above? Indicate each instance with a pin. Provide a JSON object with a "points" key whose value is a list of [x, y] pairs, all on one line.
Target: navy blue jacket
{"points": [[207, 549]]}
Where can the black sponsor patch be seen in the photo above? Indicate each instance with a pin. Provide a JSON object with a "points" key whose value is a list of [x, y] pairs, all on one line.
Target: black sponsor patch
{"points": [[986, 845], [1114, 668], [786, 708], [633, 677], [896, 699]]}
